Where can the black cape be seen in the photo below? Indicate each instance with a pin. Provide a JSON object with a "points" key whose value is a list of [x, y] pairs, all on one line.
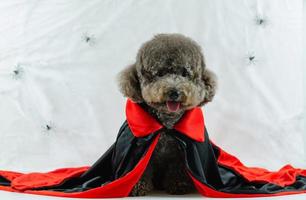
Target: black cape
{"points": [[214, 172]]}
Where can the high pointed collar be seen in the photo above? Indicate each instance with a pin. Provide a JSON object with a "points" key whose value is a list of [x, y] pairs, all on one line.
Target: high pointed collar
{"points": [[142, 123]]}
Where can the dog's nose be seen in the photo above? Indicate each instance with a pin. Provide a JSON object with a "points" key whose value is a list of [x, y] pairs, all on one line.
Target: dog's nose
{"points": [[173, 95]]}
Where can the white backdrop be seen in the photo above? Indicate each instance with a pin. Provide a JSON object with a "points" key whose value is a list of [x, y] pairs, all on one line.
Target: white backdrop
{"points": [[59, 102]]}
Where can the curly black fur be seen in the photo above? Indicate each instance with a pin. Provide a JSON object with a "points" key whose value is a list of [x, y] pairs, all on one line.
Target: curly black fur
{"points": [[167, 62]]}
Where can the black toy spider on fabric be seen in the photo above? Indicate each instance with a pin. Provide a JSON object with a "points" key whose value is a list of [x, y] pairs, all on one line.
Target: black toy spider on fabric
{"points": [[90, 39], [251, 58], [17, 73], [261, 20], [48, 127]]}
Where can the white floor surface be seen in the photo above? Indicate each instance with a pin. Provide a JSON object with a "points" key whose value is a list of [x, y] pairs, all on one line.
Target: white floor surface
{"points": [[18, 196]]}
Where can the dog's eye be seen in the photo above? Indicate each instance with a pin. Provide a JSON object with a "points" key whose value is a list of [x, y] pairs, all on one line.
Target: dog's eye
{"points": [[185, 72], [160, 73]]}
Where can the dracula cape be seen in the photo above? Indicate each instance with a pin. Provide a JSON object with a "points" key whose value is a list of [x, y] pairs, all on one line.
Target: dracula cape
{"points": [[214, 172]]}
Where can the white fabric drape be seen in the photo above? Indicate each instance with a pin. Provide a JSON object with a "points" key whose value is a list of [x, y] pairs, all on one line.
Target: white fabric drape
{"points": [[59, 103]]}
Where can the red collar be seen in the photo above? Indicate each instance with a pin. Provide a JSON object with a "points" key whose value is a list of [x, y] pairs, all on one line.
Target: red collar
{"points": [[142, 123]]}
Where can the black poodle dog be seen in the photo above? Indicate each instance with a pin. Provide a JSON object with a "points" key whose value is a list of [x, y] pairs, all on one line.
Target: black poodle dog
{"points": [[170, 77]]}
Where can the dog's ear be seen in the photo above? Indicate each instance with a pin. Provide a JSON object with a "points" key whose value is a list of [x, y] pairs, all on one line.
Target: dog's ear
{"points": [[210, 86], [129, 84]]}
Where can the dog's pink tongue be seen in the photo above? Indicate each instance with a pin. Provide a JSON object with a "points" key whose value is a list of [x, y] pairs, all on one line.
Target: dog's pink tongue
{"points": [[173, 106]]}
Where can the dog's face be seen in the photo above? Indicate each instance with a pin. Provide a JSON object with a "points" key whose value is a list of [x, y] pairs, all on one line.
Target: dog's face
{"points": [[169, 75]]}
